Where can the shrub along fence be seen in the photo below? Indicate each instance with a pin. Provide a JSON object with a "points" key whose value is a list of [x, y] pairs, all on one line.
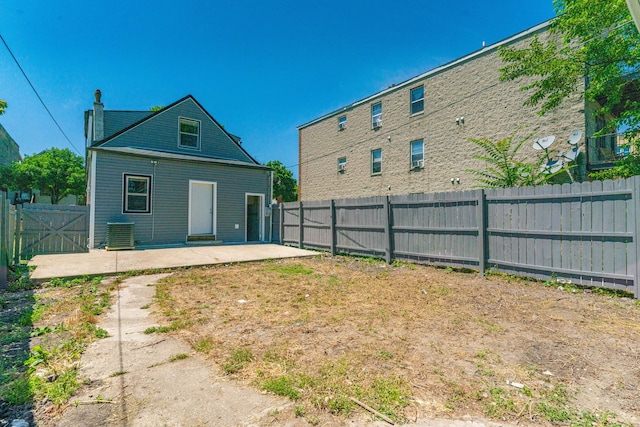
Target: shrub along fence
{"points": [[587, 233]]}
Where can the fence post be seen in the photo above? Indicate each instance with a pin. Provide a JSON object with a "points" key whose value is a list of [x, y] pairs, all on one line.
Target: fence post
{"points": [[301, 226], [4, 236], [332, 227], [386, 217], [281, 224], [482, 231], [636, 235], [17, 235]]}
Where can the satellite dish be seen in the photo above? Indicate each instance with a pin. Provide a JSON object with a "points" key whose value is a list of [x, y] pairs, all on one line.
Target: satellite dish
{"points": [[543, 143], [572, 154], [552, 166], [575, 137]]}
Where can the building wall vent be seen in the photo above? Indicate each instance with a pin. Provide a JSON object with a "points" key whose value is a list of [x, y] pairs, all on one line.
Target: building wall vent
{"points": [[120, 236]]}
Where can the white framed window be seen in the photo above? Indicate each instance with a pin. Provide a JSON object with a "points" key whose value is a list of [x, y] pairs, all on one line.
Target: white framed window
{"points": [[417, 154], [136, 194], [189, 134], [342, 164], [417, 100], [342, 122], [376, 115], [376, 161]]}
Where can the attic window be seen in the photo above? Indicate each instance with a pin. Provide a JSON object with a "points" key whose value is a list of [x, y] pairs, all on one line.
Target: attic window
{"points": [[189, 133]]}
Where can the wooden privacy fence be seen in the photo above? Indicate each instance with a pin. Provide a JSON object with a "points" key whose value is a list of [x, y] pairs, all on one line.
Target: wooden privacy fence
{"points": [[584, 232], [50, 229]]}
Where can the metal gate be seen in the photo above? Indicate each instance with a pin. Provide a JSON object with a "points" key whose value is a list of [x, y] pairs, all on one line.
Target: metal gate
{"points": [[50, 229]]}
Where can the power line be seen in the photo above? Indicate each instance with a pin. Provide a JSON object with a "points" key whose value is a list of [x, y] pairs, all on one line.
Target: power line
{"points": [[38, 95]]}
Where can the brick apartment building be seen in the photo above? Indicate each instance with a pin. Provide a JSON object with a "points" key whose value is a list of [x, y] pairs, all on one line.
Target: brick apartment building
{"points": [[413, 137]]}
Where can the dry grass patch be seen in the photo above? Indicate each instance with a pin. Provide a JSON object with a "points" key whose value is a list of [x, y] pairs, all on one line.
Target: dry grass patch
{"points": [[411, 341]]}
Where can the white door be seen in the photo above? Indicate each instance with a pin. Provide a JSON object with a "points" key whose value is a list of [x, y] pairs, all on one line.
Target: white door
{"points": [[202, 207]]}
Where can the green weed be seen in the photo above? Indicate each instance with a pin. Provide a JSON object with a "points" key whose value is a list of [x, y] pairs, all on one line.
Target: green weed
{"points": [[204, 345], [17, 392], [238, 360], [59, 390], [299, 410], [282, 386], [179, 356]]}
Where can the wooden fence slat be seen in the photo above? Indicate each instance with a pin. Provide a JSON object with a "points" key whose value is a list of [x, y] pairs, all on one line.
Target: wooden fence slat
{"points": [[598, 216], [565, 226]]}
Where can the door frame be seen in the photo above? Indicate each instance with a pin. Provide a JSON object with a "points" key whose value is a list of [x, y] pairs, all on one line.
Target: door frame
{"points": [[214, 202], [260, 215]]}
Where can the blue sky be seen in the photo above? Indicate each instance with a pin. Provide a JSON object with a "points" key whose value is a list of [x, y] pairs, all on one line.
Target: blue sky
{"points": [[260, 68]]}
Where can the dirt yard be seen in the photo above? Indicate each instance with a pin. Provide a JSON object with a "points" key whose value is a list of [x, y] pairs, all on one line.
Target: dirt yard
{"points": [[412, 341]]}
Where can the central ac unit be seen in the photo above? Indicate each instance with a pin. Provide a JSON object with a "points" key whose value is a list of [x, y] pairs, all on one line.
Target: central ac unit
{"points": [[120, 236]]}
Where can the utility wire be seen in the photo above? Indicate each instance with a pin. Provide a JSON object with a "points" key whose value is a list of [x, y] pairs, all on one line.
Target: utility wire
{"points": [[38, 95]]}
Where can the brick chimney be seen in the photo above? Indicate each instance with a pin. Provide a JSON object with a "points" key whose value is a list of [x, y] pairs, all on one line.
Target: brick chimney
{"points": [[98, 117]]}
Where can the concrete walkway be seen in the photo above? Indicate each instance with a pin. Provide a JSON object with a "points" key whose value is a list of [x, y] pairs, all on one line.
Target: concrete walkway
{"points": [[99, 262]]}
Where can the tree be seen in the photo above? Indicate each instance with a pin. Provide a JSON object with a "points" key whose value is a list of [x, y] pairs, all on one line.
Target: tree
{"points": [[595, 39], [55, 172], [284, 184], [503, 169], [156, 108], [3, 106]]}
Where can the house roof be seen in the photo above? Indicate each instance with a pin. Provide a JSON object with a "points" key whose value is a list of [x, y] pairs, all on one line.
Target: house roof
{"points": [[434, 71], [177, 156], [115, 120], [126, 118]]}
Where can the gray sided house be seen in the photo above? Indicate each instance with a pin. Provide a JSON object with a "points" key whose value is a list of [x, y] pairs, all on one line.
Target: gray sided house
{"points": [[175, 174]]}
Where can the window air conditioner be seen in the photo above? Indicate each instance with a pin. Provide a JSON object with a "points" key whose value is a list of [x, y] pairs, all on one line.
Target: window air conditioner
{"points": [[377, 122], [342, 126], [417, 164], [120, 236], [341, 167]]}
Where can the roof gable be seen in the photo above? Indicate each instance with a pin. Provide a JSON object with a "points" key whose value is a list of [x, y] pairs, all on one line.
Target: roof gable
{"points": [[159, 131]]}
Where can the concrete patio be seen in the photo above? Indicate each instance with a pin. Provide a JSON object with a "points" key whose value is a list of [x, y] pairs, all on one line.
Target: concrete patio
{"points": [[98, 262]]}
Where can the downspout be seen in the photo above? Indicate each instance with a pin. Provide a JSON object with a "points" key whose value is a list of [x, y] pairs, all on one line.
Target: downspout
{"points": [[153, 200], [271, 207], [92, 198], [299, 164]]}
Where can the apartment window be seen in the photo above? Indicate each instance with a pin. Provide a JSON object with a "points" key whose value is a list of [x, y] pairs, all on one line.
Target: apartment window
{"points": [[376, 161], [189, 133], [417, 100], [342, 164], [137, 194], [417, 154], [342, 122], [376, 115]]}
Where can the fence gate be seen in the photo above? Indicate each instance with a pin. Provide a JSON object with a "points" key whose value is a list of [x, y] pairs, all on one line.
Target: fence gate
{"points": [[51, 229]]}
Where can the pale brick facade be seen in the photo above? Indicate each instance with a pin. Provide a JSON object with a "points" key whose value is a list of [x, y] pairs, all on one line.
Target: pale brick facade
{"points": [[468, 87]]}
